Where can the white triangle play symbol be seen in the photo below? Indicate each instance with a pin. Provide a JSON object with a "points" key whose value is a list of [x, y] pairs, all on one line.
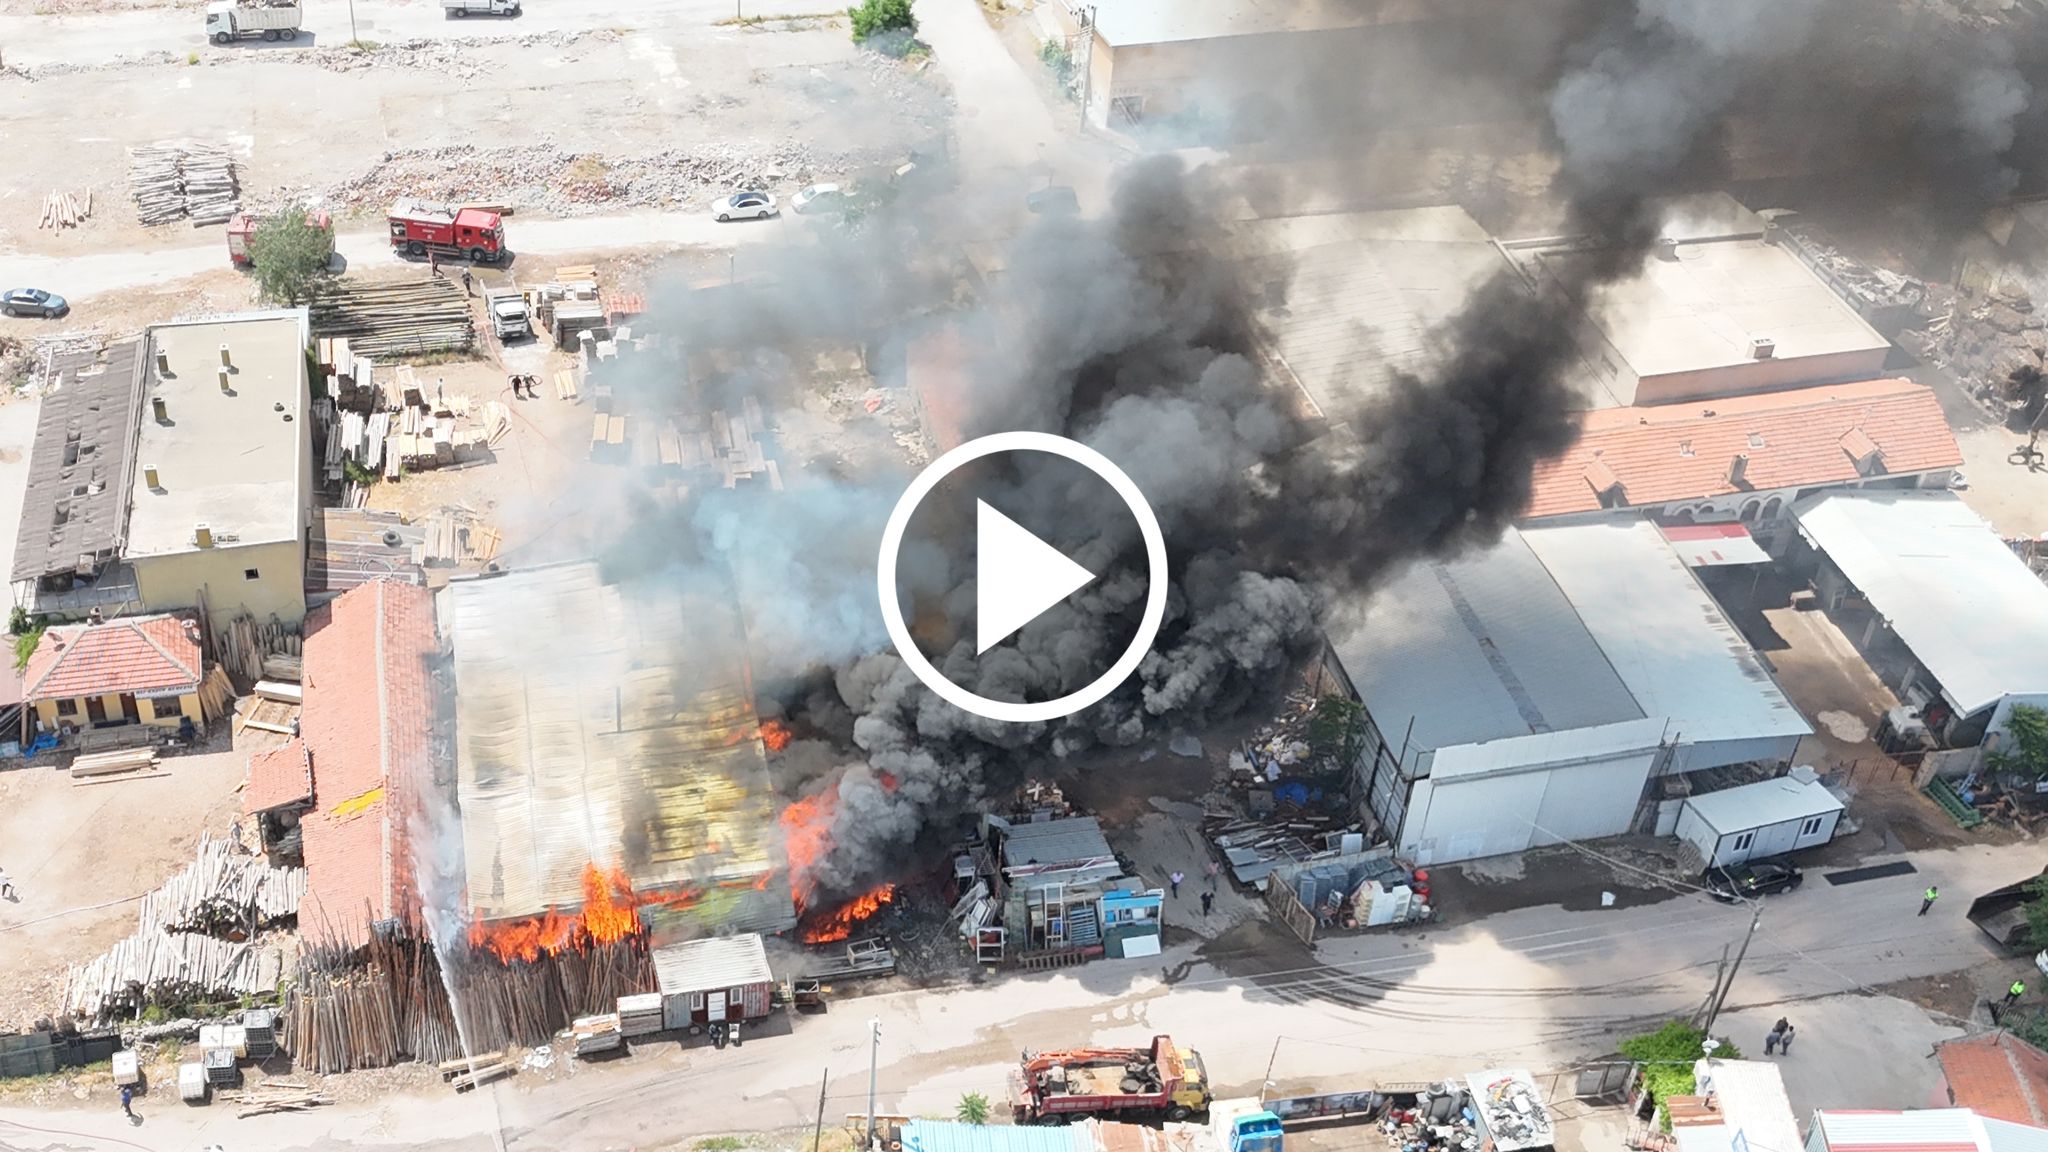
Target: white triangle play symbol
{"points": [[1016, 575]]}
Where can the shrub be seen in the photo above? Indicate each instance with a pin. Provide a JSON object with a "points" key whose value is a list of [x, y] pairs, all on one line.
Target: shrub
{"points": [[973, 1109], [1667, 1056], [878, 18]]}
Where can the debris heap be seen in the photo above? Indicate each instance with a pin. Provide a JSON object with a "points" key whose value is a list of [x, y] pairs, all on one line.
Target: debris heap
{"points": [[1994, 343], [183, 179]]}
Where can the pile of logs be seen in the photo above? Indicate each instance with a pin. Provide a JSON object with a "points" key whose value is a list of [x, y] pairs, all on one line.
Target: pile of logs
{"points": [[63, 210], [225, 891], [245, 644], [181, 179], [406, 318]]}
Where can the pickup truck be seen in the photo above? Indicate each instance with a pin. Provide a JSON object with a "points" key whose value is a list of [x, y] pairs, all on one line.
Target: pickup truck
{"points": [[460, 8]]}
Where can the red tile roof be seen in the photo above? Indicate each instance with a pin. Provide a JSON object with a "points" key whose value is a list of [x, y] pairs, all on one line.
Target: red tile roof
{"points": [[1998, 1075], [366, 723], [1805, 436], [145, 655], [278, 776]]}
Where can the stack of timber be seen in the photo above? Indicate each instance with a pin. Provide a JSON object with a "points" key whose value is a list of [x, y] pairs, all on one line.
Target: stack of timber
{"points": [[406, 318], [275, 1096], [216, 695], [180, 179], [287, 667], [63, 210], [640, 1015], [482, 1073], [171, 957], [113, 763], [456, 535], [245, 643], [597, 1035], [450, 1069]]}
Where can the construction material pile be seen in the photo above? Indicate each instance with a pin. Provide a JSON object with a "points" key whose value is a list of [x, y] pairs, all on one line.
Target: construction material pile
{"points": [[275, 1096], [63, 210], [172, 959], [389, 320], [1995, 343], [173, 180], [548, 179]]}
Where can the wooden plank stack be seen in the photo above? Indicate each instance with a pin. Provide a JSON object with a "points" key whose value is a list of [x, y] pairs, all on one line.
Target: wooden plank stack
{"points": [[275, 1096], [175, 180], [244, 643], [640, 1015], [63, 210], [113, 763], [403, 318], [597, 1035]]}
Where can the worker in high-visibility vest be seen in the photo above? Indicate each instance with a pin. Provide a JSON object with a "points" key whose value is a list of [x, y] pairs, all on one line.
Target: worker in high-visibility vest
{"points": [[2012, 994]]}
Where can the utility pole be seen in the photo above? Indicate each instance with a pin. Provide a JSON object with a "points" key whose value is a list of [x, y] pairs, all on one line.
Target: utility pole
{"points": [[1755, 918], [353, 36], [1266, 1085], [818, 1137], [874, 1052], [1087, 62]]}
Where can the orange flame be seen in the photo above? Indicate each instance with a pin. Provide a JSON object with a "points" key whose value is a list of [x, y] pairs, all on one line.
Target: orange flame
{"points": [[775, 735], [610, 913], [805, 826], [840, 924]]}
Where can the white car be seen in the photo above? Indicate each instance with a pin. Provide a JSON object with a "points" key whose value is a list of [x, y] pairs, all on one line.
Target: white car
{"points": [[819, 198], [744, 206]]}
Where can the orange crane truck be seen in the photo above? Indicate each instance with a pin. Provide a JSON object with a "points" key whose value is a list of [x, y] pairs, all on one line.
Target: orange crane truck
{"points": [[1163, 1082]]}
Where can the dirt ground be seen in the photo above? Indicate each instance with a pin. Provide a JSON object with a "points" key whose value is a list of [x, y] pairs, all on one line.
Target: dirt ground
{"points": [[82, 855]]}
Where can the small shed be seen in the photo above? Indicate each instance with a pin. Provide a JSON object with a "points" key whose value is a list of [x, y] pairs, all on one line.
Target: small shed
{"points": [[710, 981], [1769, 818]]}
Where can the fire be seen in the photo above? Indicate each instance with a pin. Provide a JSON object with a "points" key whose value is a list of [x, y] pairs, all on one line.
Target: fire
{"points": [[610, 913], [775, 735], [840, 924], [806, 825]]}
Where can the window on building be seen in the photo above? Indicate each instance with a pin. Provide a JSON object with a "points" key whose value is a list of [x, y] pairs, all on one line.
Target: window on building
{"points": [[1749, 511], [1743, 841], [164, 709], [696, 1001], [1772, 507], [1811, 827], [67, 707], [250, 574]]}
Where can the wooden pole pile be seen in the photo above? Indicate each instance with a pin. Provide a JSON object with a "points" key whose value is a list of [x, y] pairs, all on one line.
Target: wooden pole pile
{"points": [[63, 210], [176, 179], [396, 319], [224, 892], [245, 643]]}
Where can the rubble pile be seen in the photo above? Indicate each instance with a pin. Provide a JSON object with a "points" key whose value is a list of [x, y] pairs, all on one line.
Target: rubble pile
{"points": [[1869, 289], [458, 59], [1994, 343], [550, 180]]}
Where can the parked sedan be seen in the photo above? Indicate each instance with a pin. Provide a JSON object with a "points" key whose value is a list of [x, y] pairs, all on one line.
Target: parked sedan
{"points": [[820, 198], [1756, 878], [744, 206], [32, 302]]}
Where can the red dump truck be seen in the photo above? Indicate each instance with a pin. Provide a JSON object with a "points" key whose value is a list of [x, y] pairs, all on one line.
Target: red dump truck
{"points": [[419, 227], [1160, 1082], [244, 226]]}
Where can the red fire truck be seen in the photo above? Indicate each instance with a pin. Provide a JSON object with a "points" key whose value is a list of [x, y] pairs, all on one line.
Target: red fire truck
{"points": [[244, 226], [419, 227]]}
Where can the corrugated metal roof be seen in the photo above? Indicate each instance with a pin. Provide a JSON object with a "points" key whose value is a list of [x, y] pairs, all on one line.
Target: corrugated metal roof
{"points": [[1055, 842], [1476, 649], [611, 724], [719, 962], [346, 547], [1927, 1130], [1969, 609], [1763, 804], [1751, 1098], [1675, 650], [949, 1136], [76, 504], [2006, 1136]]}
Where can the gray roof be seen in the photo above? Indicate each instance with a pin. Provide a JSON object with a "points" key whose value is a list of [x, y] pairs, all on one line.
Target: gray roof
{"points": [[1762, 804], [1485, 647], [706, 965], [1940, 576], [75, 509], [350, 546], [1072, 840]]}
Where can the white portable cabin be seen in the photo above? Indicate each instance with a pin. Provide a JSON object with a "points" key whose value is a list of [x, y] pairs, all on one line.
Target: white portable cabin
{"points": [[1769, 818]]}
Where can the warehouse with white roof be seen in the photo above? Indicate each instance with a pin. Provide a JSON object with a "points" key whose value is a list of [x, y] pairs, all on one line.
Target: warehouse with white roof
{"points": [[1937, 603], [1540, 691]]}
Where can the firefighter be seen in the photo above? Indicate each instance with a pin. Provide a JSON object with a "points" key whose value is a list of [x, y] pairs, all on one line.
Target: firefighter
{"points": [[467, 290]]}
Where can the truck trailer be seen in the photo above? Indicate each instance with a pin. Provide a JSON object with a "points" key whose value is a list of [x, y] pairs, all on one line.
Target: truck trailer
{"points": [[1161, 1082], [419, 227], [228, 20]]}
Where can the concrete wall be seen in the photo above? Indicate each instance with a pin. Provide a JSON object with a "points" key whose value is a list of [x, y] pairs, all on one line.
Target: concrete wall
{"points": [[173, 581], [1760, 376], [187, 706]]}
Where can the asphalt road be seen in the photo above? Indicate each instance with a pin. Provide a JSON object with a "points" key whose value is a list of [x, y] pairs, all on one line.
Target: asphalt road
{"points": [[1533, 988]]}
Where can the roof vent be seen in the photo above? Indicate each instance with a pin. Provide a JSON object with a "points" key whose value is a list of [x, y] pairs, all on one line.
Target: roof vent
{"points": [[1762, 348], [1667, 248], [225, 387], [1756, 439], [149, 478], [202, 535], [225, 362], [1738, 468], [162, 409], [1685, 449], [163, 363]]}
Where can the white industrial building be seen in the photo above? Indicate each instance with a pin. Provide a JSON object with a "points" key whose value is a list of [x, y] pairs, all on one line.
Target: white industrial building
{"points": [[1720, 308], [1546, 689], [1937, 603], [1754, 821]]}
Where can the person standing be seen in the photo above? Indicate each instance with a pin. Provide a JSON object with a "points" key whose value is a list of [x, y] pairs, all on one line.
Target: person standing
{"points": [[128, 1101], [1785, 1041], [2012, 994], [467, 290], [1175, 880], [1927, 900], [1208, 901], [6, 885], [1772, 1037], [1213, 872]]}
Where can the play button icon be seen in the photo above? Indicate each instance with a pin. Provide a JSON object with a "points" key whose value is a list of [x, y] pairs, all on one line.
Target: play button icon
{"points": [[1018, 576]]}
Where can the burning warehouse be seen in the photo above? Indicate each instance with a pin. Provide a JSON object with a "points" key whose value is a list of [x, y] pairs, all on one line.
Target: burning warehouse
{"points": [[608, 753]]}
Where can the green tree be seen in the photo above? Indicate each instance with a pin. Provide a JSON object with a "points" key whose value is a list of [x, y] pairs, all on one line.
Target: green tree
{"points": [[973, 1109], [2037, 910], [878, 19], [2025, 748], [1337, 729], [1667, 1056], [288, 252]]}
